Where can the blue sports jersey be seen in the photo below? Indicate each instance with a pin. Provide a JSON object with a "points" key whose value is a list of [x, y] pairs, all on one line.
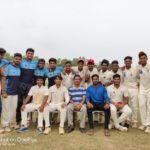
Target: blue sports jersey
{"points": [[41, 72], [12, 74], [3, 62], [52, 74], [27, 71]]}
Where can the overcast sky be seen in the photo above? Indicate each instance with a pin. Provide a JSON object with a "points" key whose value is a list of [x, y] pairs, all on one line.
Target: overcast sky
{"points": [[94, 29]]}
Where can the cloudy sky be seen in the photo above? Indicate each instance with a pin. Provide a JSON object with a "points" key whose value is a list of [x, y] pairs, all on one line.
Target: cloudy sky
{"points": [[94, 29]]}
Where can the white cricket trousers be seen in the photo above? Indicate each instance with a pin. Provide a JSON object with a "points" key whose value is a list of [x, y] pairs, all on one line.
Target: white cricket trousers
{"points": [[144, 105], [133, 104], [51, 107], [31, 108], [125, 113], [9, 106]]}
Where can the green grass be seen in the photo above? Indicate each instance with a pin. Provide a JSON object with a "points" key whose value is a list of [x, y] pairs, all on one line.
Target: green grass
{"points": [[131, 140]]}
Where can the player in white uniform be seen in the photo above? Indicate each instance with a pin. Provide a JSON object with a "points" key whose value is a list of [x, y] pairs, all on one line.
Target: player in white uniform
{"points": [[67, 75], [105, 75], [116, 70], [91, 70], [80, 70], [130, 81], [144, 92], [119, 102]]}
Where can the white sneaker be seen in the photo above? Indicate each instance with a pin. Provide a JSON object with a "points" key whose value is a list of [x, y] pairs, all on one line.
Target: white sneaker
{"points": [[142, 127], [121, 128], [7, 129], [47, 130], [61, 131], [147, 130], [111, 126], [2, 130]]}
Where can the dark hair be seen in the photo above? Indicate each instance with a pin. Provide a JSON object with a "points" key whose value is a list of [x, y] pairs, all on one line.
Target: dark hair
{"points": [[68, 62], [30, 50], [17, 55], [116, 76], [128, 57], [142, 54], [39, 78], [52, 60], [41, 60], [95, 75], [115, 62], [104, 61], [77, 76], [59, 77], [2, 51]]}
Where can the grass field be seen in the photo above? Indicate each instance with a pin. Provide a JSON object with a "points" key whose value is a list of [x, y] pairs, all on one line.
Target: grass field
{"points": [[131, 140]]}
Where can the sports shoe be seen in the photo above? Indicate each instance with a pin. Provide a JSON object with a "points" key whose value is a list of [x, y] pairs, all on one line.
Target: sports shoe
{"points": [[47, 130], [23, 129], [142, 127], [82, 130], [70, 129], [121, 128], [147, 129], [61, 131], [39, 130]]}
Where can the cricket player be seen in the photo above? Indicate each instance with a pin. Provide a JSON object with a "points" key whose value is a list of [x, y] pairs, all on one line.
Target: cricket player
{"points": [[3, 63], [105, 75], [40, 96], [10, 94], [67, 75], [130, 81], [144, 91], [119, 97], [91, 70], [58, 100], [53, 71], [28, 66], [80, 69]]}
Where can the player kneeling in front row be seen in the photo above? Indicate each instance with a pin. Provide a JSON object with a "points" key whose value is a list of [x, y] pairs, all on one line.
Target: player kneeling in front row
{"points": [[77, 102], [58, 100], [118, 95], [39, 94]]}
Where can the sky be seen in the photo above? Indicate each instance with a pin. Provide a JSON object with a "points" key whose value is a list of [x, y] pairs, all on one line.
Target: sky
{"points": [[97, 29]]}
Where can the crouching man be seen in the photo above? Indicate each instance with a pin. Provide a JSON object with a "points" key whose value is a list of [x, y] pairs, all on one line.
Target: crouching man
{"points": [[77, 102], [119, 102], [39, 94], [58, 100]]}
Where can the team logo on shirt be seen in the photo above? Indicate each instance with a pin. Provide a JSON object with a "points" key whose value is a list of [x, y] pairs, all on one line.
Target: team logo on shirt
{"points": [[140, 71]]}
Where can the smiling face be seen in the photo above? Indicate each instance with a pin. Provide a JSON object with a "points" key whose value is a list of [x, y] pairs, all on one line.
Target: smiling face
{"points": [[143, 60], [29, 55]]}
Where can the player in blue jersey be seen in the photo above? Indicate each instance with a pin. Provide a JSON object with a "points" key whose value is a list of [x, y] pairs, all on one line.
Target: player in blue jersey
{"points": [[3, 63], [9, 93], [53, 71], [28, 66], [40, 70]]}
